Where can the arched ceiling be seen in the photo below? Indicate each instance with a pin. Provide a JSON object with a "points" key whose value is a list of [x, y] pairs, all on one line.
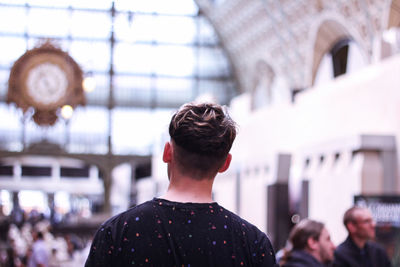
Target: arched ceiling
{"points": [[291, 36]]}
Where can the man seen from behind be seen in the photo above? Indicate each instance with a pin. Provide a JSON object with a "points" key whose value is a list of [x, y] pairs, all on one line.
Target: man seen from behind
{"points": [[185, 227]]}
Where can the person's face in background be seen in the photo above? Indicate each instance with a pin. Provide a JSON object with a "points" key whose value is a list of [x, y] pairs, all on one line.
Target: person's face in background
{"points": [[34, 235], [364, 225], [326, 247]]}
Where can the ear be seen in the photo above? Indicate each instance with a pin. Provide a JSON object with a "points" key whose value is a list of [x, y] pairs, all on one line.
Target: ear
{"points": [[226, 164], [351, 227], [312, 243], [167, 155]]}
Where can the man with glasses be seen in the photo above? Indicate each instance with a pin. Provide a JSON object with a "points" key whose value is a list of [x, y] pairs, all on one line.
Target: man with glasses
{"points": [[358, 250]]}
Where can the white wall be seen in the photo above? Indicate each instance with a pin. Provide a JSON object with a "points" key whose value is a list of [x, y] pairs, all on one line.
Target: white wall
{"points": [[365, 102]]}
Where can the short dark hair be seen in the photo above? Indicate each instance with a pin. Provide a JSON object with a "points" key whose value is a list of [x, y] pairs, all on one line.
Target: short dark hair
{"points": [[349, 215], [302, 231], [202, 135]]}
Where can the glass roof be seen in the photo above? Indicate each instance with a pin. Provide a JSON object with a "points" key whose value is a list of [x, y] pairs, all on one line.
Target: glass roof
{"points": [[162, 53]]}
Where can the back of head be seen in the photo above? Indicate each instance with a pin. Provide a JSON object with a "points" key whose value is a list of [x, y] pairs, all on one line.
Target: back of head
{"points": [[202, 135], [302, 231]]}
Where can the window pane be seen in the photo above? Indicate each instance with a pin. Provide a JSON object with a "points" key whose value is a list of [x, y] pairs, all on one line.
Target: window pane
{"points": [[136, 135], [174, 60], [140, 27], [131, 90], [143, 27], [91, 56], [48, 22], [217, 88], [212, 62], [136, 82], [9, 117], [49, 3], [12, 19], [133, 58], [100, 95], [14, 2], [141, 131], [15, 48], [175, 85], [90, 24], [175, 29], [175, 91], [177, 7], [97, 4], [207, 34], [3, 84], [124, 29], [89, 129]]}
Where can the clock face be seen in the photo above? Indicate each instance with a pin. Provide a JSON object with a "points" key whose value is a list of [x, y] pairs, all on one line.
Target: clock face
{"points": [[46, 83], [45, 78]]}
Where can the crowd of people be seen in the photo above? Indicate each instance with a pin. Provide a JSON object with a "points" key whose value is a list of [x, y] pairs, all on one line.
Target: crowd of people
{"points": [[32, 245]]}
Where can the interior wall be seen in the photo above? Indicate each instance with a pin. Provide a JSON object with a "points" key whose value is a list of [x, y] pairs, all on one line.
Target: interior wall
{"points": [[365, 102]]}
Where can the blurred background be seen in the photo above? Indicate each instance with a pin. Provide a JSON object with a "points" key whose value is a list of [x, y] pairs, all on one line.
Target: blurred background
{"points": [[312, 84]]}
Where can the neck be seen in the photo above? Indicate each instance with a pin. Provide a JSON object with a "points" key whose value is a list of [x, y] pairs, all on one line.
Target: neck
{"points": [[359, 241], [186, 189], [314, 254]]}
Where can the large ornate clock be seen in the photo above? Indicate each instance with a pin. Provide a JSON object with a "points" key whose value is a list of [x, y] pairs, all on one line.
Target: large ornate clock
{"points": [[45, 78]]}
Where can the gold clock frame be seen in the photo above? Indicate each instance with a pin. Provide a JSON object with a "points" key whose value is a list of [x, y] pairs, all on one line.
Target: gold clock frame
{"points": [[45, 114]]}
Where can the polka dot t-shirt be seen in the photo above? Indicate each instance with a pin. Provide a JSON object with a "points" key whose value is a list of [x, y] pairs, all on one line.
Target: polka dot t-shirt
{"points": [[165, 233]]}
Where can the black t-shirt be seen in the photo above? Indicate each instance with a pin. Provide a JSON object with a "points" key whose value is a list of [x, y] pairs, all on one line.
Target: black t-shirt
{"points": [[165, 233]]}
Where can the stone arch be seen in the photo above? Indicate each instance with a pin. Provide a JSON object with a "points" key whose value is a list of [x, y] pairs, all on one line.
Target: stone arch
{"points": [[326, 34]]}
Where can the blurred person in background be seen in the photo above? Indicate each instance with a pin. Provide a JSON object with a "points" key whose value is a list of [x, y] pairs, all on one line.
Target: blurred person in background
{"points": [[40, 255], [359, 250], [310, 245]]}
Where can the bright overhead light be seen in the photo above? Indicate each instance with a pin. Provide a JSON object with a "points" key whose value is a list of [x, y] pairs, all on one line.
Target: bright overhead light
{"points": [[89, 84], [67, 111]]}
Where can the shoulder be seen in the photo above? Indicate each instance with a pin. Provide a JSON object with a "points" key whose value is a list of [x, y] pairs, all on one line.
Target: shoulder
{"points": [[116, 225], [342, 255], [257, 241], [242, 223], [298, 258], [375, 246], [344, 247], [380, 253], [341, 248], [110, 234], [250, 230], [130, 214]]}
